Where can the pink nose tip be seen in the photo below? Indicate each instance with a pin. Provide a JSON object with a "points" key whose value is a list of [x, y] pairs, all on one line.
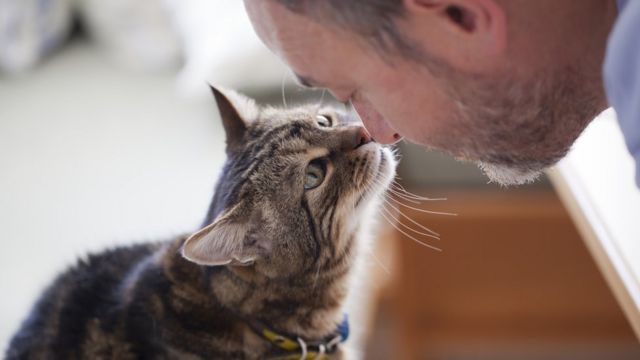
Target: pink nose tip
{"points": [[388, 139], [362, 137]]}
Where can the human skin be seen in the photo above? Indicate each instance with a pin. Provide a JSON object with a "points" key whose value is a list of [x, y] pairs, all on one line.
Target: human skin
{"points": [[508, 84]]}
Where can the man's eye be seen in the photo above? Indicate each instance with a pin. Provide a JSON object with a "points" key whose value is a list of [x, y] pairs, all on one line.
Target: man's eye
{"points": [[323, 121]]}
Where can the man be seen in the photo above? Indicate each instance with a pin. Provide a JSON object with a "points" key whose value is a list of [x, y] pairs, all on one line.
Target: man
{"points": [[509, 84]]}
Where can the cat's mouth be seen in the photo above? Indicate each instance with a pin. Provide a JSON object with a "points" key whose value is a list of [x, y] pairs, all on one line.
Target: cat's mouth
{"points": [[379, 170], [386, 169]]}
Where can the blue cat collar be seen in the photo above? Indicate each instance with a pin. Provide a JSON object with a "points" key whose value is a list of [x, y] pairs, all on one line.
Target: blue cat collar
{"points": [[343, 328], [291, 347]]}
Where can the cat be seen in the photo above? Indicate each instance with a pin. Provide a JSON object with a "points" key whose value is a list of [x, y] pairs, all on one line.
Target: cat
{"points": [[265, 278]]}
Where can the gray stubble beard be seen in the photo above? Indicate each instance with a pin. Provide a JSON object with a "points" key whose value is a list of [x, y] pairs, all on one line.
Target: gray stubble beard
{"points": [[518, 128]]}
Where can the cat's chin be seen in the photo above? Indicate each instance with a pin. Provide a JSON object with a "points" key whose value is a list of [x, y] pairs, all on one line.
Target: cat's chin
{"points": [[387, 167], [380, 174]]}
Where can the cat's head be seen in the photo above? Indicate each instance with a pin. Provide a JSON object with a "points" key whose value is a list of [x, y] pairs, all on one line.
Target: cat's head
{"points": [[295, 189]]}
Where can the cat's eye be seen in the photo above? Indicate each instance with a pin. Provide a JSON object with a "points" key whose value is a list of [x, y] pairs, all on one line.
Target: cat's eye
{"points": [[323, 120], [315, 173]]}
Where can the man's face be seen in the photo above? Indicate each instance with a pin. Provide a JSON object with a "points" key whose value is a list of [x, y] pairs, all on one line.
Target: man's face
{"points": [[512, 123]]}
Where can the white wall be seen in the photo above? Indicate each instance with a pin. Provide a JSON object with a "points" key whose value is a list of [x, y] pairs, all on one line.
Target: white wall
{"points": [[91, 157]]}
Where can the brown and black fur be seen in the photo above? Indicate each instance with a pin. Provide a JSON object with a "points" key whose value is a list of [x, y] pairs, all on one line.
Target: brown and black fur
{"points": [[271, 251]]}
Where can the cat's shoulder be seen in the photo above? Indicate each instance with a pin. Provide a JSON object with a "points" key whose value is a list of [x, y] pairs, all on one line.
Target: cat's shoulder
{"points": [[114, 261], [99, 273], [85, 290]]}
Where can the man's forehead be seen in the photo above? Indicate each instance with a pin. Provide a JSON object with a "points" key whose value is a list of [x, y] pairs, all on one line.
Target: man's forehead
{"points": [[314, 52], [303, 43], [261, 19], [280, 29]]}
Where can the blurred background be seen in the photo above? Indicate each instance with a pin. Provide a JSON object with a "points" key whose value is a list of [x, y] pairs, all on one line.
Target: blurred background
{"points": [[108, 136]]}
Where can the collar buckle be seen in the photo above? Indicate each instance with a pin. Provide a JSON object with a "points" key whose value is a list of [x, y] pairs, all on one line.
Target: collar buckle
{"points": [[298, 348]]}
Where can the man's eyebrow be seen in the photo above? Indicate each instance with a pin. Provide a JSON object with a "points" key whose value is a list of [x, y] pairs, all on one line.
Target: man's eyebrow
{"points": [[306, 81]]}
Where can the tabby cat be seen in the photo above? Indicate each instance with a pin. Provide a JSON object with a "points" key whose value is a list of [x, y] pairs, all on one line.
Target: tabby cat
{"points": [[266, 278]]}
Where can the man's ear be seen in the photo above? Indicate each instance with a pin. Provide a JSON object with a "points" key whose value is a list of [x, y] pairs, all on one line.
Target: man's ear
{"points": [[229, 240], [463, 28], [236, 112]]}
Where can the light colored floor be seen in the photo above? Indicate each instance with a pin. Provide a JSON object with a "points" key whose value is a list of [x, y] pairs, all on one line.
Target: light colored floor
{"points": [[90, 157]]}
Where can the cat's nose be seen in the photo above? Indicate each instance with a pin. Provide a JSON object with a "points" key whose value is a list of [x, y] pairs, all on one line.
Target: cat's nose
{"points": [[356, 136], [362, 137]]}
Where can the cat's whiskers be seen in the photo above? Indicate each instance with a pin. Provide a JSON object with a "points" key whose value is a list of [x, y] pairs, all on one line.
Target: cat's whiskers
{"points": [[404, 195], [366, 192], [411, 220], [395, 185], [422, 210], [321, 102], [399, 222], [400, 195], [375, 258], [414, 199], [408, 235], [396, 223], [396, 152], [284, 98]]}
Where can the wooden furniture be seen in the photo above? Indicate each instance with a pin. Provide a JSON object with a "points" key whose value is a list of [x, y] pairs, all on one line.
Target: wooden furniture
{"points": [[514, 280]]}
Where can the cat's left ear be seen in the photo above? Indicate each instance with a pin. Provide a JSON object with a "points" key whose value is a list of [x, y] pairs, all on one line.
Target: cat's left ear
{"points": [[224, 242], [236, 112]]}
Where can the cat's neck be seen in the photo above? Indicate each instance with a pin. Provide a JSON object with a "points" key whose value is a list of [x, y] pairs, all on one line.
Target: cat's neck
{"points": [[310, 308], [299, 309]]}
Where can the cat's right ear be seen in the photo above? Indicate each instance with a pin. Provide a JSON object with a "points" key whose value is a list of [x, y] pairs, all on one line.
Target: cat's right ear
{"points": [[236, 112], [220, 243], [232, 239]]}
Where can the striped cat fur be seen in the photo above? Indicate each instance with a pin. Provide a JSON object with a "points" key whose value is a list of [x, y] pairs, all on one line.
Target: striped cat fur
{"points": [[278, 246]]}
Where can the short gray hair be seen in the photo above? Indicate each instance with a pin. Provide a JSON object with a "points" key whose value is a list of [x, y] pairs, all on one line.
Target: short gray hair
{"points": [[374, 20]]}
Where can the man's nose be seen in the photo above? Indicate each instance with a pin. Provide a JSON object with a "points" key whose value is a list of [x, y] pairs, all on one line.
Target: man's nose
{"points": [[376, 125], [353, 137]]}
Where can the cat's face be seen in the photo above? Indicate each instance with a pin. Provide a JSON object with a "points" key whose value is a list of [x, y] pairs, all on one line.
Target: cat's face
{"points": [[294, 191]]}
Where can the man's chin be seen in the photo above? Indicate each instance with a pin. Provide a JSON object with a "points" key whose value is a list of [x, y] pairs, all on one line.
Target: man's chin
{"points": [[508, 175]]}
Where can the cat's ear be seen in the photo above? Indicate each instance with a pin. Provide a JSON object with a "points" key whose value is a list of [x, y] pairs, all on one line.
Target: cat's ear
{"points": [[221, 243], [236, 112]]}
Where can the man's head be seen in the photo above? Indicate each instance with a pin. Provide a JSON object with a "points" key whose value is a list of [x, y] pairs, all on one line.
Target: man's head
{"points": [[509, 84]]}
